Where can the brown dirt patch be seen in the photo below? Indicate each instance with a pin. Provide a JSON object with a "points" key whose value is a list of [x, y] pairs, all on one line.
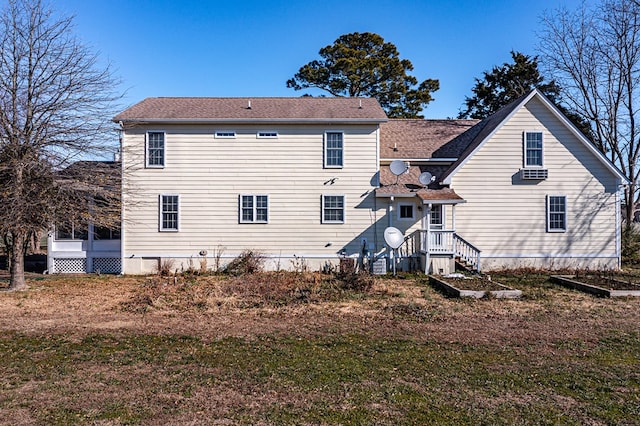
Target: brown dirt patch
{"points": [[80, 305]]}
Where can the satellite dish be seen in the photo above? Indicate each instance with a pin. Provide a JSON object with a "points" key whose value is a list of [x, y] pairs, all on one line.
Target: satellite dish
{"points": [[397, 167], [425, 178], [393, 237]]}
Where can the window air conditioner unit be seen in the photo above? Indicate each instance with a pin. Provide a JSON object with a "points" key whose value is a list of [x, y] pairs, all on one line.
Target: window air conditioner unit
{"points": [[534, 174]]}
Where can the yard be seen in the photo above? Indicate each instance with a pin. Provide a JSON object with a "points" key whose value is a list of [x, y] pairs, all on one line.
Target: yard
{"points": [[280, 349]]}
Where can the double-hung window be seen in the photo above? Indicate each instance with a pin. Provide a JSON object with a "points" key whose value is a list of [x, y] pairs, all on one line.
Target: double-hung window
{"points": [[254, 208], [169, 212], [556, 213], [533, 144], [333, 209], [155, 149], [333, 149]]}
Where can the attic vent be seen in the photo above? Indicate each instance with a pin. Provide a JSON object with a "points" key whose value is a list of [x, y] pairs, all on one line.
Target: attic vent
{"points": [[225, 134], [534, 174]]}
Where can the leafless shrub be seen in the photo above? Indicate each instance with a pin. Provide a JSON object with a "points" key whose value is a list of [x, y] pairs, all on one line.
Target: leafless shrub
{"points": [[217, 256], [299, 264], [165, 267], [203, 265], [248, 262]]}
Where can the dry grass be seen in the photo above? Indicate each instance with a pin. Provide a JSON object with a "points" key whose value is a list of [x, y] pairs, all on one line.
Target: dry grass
{"points": [[305, 349]]}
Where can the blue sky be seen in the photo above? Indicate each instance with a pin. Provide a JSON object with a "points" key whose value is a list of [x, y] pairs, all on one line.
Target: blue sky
{"points": [[251, 48]]}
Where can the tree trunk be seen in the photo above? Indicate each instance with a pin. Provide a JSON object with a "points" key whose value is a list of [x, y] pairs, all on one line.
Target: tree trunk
{"points": [[17, 281]]}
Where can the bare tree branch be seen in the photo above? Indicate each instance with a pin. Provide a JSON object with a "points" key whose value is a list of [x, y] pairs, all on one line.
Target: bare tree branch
{"points": [[55, 105]]}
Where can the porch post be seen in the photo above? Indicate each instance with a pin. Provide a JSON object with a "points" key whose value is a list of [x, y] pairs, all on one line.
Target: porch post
{"points": [[390, 209], [453, 217], [50, 250], [427, 258]]}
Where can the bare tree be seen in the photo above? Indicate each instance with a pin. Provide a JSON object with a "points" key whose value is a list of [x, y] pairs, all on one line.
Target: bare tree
{"points": [[55, 106], [594, 55]]}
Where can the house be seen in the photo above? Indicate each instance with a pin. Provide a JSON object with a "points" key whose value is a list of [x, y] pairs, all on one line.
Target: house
{"points": [[522, 188], [291, 178], [310, 180]]}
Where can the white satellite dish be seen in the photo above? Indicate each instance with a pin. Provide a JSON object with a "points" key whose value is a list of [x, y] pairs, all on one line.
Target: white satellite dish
{"points": [[398, 167], [393, 237], [425, 178]]}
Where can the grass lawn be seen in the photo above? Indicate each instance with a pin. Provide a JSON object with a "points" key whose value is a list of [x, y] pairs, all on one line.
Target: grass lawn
{"points": [[280, 349]]}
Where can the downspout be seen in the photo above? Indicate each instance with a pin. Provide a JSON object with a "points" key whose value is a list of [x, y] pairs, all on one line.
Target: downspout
{"points": [[122, 198], [390, 251], [427, 258], [619, 226]]}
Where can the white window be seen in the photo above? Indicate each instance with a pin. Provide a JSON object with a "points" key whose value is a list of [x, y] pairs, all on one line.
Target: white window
{"points": [[169, 212], [254, 208], [267, 135], [155, 149], [225, 134], [533, 152], [436, 216], [406, 211], [333, 209], [333, 149], [106, 233], [71, 231], [556, 213]]}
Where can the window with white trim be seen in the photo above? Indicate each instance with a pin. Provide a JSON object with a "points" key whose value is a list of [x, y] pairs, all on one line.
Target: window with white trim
{"points": [[556, 213], [106, 233], [225, 134], [155, 149], [333, 149], [436, 215], [72, 231], [254, 208], [267, 135], [333, 209], [406, 211], [169, 212], [533, 149]]}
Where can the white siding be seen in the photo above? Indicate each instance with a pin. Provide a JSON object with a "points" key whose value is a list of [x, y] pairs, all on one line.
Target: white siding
{"points": [[505, 216], [210, 173]]}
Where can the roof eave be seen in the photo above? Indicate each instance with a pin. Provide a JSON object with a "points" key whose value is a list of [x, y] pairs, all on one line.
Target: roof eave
{"points": [[248, 120], [456, 201]]}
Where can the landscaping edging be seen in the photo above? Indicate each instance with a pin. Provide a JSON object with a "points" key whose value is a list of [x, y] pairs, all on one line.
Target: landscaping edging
{"points": [[452, 291], [569, 281]]}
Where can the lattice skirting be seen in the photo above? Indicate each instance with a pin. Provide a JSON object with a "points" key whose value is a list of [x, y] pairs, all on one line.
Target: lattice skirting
{"points": [[104, 265], [70, 265], [107, 265]]}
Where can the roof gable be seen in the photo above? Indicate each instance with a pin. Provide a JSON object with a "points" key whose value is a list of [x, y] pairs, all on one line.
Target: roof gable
{"points": [[483, 131], [302, 109]]}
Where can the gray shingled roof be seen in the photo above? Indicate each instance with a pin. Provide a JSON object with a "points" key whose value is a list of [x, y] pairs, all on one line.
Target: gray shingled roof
{"points": [[303, 109], [418, 138]]}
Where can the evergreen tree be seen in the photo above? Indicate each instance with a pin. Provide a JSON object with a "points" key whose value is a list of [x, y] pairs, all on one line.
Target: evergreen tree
{"points": [[363, 64]]}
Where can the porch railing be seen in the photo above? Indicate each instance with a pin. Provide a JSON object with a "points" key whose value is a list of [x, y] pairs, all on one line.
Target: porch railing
{"points": [[467, 252], [441, 242]]}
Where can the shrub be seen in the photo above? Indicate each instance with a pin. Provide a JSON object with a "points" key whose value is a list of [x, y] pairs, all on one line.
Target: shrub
{"points": [[248, 262], [165, 267], [631, 244]]}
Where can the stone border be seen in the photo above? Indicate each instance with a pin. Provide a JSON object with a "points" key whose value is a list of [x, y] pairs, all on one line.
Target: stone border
{"points": [[568, 281], [452, 291]]}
